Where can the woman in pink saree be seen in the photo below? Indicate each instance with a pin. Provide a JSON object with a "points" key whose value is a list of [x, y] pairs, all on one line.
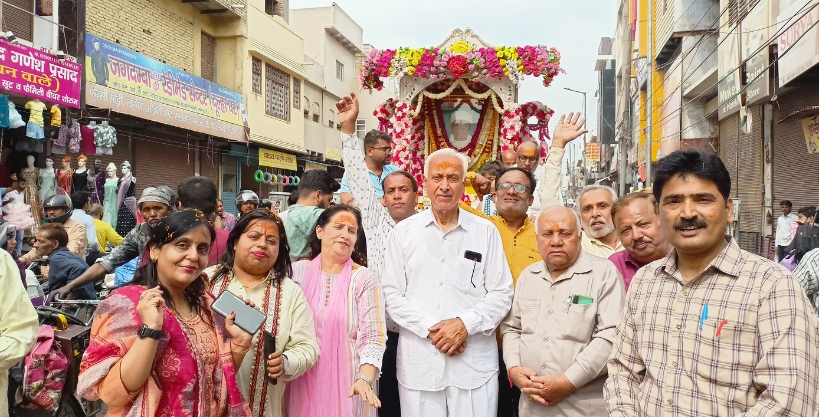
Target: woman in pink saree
{"points": [[348, 309], [157, 348]]}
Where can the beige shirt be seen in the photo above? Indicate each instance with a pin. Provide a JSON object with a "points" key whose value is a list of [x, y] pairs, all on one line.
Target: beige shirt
{"points": [[546, 334], [77, 241], [597, 248]]}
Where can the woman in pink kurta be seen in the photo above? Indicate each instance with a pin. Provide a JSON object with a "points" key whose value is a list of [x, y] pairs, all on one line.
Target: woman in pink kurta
{"points": [[348, 309], [157, 348]]}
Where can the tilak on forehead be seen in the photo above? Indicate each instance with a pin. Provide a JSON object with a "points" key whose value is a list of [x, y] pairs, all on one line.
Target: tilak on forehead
{"points": [[345, 218], [265, 227], [529, 151], [443, 165]]}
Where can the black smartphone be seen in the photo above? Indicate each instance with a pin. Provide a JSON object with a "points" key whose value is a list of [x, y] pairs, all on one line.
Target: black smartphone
{"points": [[247, 318], [473, 256], [269, 347]]}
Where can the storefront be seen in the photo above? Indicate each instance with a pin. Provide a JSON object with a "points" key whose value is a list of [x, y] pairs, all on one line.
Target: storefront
{"points": [[270, 174], [170, 124]]}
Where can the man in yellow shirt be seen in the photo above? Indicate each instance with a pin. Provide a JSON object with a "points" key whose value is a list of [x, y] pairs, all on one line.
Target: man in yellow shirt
{"points": [[105, 233]]}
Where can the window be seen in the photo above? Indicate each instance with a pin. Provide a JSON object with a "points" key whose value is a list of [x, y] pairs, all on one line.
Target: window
{"points": [[306, 108], [331, 117], [361, 128], [208, 69], [257, 76], [273, 7], [316, 112], [19, 19], [296, 93], [340, 71], [277, 92]]}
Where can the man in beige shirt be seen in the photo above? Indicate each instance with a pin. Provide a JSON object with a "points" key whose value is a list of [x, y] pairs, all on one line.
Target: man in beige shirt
{"points": [[599, 236], [558, 335]]}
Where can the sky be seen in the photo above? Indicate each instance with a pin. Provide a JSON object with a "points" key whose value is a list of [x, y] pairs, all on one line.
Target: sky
{"points": [[573, 27]]}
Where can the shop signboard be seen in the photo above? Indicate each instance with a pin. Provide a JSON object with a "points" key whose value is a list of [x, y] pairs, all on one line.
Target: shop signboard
{"points": [[593, 151], [334, 154], [34, 73], [729, 85], [112, 66], [275, 159], [810, 127], [755, 52], [311, 166], [798, 50]]}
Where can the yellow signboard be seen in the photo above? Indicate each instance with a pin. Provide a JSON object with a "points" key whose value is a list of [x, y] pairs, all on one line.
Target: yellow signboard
{"points": [[810, 127], [593, 151], [334, 154], [275, 159]]}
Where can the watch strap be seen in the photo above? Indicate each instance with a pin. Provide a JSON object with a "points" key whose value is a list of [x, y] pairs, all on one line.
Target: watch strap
{"points": [[145, 331]]}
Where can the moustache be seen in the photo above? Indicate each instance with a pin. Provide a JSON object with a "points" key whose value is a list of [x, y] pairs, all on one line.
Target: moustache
{"points": [[640, 241], [690, 224]]}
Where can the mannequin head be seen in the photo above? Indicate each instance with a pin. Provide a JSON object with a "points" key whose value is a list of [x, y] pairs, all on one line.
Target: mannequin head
{"points": [[97, 165], [30, 161], [49, 163], [81, 160], [66, 162], [126, 168], [111, 170]]}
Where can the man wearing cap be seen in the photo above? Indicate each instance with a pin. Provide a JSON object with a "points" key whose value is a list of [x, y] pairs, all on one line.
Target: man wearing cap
{"points": [[461, 123], [154, 205]]}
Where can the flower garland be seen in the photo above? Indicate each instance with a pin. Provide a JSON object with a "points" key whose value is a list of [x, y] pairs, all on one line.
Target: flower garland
{"points": [[514, 126], [461, 60], [408, 138]]}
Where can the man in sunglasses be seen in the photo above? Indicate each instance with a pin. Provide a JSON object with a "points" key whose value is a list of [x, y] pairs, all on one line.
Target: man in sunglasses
{"points": [[377, 156]]}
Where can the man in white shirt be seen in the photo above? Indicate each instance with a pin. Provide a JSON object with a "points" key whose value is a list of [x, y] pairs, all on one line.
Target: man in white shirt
{"points": [[529, 159], [783, 228], [446, 282]]}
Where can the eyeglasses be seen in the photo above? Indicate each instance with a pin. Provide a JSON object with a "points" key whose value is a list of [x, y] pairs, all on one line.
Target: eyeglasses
{"points": [[519, 188], [531, 159], [386, 149]]}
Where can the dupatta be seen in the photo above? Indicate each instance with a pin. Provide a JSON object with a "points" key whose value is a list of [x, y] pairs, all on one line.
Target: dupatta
{"points": [[323, 390], [173, 388]]}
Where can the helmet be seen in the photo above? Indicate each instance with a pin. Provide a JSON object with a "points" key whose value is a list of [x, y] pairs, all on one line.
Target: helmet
{"points": [[171, 196], [267, 204], [245, 196], [57, 201], [7, 228]]}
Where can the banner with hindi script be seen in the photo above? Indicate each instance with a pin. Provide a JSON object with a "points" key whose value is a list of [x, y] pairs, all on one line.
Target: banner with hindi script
{"points": [[34, 73], [118, 68]]}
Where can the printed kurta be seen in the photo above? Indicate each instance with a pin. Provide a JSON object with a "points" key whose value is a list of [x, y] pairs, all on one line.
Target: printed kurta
{"points": [[366, 328]]}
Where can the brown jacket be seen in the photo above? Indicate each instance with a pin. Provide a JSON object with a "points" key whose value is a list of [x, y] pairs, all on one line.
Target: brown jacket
{"points": [[77, 241]]}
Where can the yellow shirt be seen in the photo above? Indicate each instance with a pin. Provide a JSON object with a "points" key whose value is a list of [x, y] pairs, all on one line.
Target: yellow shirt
{"points": [[56, 116], [520, 248], [106, 234], [36, 109]]}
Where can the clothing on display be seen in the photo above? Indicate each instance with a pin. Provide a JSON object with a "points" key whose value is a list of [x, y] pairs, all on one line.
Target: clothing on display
{"points": [[4, 111], [34, 127], [126, 215], [56, 116], [64, 177], [96, 185], [79, 181], [15, 120], [59, 145], [31, 175], [47, 182], [109, 214], [17, 212], [105, 138], [74, 137]]}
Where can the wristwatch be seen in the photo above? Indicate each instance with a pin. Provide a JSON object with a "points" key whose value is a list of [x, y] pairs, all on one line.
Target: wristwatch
{"points": [[145, 331]]}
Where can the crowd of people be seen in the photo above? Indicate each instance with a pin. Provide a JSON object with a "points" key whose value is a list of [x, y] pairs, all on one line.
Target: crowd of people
{"points": [[636, 306]]}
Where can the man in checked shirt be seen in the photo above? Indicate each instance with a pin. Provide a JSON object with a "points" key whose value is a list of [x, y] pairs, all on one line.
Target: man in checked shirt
{"points": [[711, 330]]}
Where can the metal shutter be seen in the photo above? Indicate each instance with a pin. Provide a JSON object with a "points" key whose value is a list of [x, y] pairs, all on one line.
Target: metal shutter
{"points": [[208, 57], [209, 163], [162, 160], [795, 172], [17, 17], [748, 180]]}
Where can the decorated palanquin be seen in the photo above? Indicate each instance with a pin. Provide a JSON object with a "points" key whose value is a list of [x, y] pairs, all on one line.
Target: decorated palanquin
{"points": [[461, 95]]}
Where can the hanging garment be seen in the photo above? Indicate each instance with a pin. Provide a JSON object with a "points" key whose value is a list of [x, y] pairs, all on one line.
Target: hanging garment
{"points": [[105, 138], [126, 215], [64, 180], [60, 145], [56, 116], [74, 137], [15, 120], [32, 199], [109, 214], [34, 131]]}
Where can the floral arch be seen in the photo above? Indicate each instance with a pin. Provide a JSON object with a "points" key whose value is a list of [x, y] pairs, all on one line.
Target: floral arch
{"points": [[462, 95]]}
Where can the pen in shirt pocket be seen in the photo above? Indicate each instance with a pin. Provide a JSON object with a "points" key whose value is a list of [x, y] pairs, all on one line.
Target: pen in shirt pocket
{"points": [[719, 328]]}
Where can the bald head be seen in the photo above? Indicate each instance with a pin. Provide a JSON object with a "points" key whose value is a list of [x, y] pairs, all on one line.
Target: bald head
{"points": [[558, 238], [528, 155], [508, 158]]}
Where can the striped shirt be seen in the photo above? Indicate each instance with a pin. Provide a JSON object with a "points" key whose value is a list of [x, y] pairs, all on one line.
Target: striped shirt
{"points": [[754, 352]]}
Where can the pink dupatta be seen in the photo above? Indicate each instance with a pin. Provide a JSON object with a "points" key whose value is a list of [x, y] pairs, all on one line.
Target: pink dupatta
{"points": [[322, 391]]}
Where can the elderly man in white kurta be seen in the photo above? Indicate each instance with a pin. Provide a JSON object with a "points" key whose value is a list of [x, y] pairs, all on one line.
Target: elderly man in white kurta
{"points": [[448, 286]]}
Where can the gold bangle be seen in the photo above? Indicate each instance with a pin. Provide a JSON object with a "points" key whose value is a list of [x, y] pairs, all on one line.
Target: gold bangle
{"points": [[241, 352]]}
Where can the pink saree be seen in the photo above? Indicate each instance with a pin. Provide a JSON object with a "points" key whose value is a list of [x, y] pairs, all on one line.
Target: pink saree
{"points": [[174, 387]]}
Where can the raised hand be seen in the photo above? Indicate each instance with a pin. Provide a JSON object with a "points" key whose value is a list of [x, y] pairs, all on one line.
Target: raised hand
{"points": [[348, 113], [568, 129], [151, 308]]}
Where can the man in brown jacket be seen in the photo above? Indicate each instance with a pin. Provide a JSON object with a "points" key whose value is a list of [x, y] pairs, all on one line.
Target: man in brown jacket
{"points": [[558, 335], [58, 209]]}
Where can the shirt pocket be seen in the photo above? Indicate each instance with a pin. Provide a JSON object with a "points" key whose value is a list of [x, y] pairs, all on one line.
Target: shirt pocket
{"points": [[469, 277], [529, 310], [732, 349], [580, 322]]}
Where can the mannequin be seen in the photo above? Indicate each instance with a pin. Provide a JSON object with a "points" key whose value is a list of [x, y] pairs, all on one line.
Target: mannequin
{"points": [[31, 174], [47, 180], [105, 138], [64, 175], [79, 180], [34, 128], [96, 183], [126, 216], [110, 187]]}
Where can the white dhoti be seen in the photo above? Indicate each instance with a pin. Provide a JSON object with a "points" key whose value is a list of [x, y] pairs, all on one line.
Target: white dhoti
{"points": [[451, 402]]}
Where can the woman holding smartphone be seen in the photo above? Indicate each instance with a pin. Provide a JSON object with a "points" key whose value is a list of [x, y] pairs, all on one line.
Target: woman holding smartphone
{"points": [[256, 266], [156, 346], [348, 307]]}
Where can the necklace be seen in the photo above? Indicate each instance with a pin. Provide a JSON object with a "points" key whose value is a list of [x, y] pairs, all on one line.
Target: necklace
{"points": [[247, 288], [178, 314]]}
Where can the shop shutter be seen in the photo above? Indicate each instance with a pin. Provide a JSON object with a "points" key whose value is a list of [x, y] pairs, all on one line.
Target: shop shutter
{"points": [[209, 162], [795, 171], [748, 182], [162, 160], [230, 184], [17, 18]]}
